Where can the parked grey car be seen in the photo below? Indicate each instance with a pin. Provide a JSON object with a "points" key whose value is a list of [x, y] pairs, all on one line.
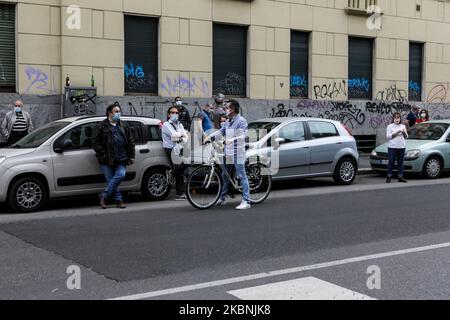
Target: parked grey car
{"points": [[305, 147], [57, 160]]}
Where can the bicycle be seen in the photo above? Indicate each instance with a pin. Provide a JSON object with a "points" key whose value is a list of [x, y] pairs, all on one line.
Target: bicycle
{"points": [[204, 184]]}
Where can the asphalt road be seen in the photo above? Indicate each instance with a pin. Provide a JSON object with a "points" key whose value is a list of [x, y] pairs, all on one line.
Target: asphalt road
{"points": [[305, 230]]}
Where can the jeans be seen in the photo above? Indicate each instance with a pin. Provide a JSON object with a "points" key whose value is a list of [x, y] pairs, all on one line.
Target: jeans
{"points": [[242, 177], [114, 176], [398, 154]]}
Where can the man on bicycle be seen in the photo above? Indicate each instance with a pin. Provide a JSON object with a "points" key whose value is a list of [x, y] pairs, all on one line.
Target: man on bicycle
{"points": [[235, 132]]}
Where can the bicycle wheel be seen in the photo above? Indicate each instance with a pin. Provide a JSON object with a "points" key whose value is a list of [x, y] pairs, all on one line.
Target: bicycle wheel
{"points": [[203, 187], [260, 181]]}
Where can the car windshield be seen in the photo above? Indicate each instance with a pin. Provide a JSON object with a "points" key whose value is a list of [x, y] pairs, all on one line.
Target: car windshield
{"points": [[38, 137], [257, 130], [427, 131]]}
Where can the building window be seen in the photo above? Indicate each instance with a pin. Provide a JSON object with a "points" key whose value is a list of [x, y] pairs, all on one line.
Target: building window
{"points": [[360, 57], [141, 55], [299, 64], [229, 60], [415, 71], [7, 48]]}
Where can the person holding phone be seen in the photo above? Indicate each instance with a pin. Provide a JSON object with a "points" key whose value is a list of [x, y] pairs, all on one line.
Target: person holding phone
{"points": [[396, 135]]}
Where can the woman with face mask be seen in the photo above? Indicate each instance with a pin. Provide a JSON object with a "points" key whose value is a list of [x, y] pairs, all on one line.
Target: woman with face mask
{"points": [[396, 135], [423, 116], [114, 146], [174, 135]]}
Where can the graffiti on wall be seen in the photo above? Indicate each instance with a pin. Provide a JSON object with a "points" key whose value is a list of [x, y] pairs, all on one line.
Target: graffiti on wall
{"points": [[414, 91], [136, 80], [299, 86], [38, 81], [392, 93], [359, 87], [232, 84], [333, 90], [185, 86], [354, 114]]}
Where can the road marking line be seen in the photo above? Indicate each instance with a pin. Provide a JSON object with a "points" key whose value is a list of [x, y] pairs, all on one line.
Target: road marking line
{"points": [[309, 288], [256, 276]]}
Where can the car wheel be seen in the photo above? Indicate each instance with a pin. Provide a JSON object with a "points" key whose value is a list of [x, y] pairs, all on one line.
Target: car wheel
{"points": [[155, 185], [432, 168], [345, 171], [27, 194]]}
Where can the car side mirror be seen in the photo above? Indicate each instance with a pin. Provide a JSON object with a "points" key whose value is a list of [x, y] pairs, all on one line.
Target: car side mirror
{"points": [[62, 145], [448, 139], [278, 142]]}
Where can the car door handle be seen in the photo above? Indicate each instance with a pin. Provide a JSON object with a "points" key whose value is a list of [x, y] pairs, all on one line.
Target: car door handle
{"points": [[338, 142], [144, 151]]}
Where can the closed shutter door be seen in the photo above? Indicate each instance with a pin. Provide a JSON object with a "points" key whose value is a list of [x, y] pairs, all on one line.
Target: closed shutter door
{"points": [[7, 48], [299, 64], [230, 60], [360, 68], [415, 71], [141, 55]]}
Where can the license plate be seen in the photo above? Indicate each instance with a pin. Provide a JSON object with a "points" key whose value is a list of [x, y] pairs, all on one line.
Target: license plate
{"points": [[381, 162]]}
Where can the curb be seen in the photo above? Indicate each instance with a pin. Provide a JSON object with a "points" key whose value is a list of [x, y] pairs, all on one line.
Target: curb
{"points": [[365, 171]]}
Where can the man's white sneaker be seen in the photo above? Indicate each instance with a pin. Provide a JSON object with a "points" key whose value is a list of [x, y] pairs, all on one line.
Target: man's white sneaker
{"points": [[220, 202], [243, 206]]}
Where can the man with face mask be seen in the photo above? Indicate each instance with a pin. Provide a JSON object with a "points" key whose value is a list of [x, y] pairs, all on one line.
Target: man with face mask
{"points": [[17, 124], [218, 109], [114, 146], [184, 117], [234, 131]]}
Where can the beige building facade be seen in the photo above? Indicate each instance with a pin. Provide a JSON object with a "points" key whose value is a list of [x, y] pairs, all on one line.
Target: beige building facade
{"points": [[50, 44]]}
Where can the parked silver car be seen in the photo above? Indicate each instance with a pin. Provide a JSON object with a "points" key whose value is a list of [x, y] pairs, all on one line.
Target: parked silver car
{"points": [[306, 147], [57, 160]]}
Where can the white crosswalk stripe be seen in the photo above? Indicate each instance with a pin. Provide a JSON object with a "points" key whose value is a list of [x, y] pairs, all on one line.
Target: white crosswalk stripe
{"points": [[309, 288]]}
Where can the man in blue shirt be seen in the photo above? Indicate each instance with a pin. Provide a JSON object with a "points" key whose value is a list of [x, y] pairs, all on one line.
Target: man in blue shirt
{"points": [[412, 116], [206, 121]]}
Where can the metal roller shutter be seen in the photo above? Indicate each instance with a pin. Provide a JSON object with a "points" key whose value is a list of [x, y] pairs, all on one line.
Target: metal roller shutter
{"points": [[230, 60], [141, 55], [299, 64], [415, 71], [360, 57], [7, 48]]}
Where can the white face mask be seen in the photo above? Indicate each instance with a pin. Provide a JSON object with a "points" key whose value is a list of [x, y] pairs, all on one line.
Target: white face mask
{"points": [[423, 115]]}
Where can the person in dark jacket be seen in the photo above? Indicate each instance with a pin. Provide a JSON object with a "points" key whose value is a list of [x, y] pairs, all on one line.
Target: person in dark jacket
{"points": [[114, 147], [184, 117]]}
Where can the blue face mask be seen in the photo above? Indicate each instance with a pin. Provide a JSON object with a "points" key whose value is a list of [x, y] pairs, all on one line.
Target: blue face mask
{"points": [[17, 109], [174, 118], [116, 117]]}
